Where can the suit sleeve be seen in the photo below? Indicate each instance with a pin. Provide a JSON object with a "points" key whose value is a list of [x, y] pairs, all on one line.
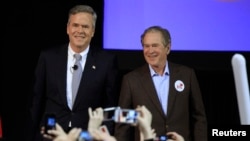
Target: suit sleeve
{"points": [[38, 93], [198, 115], [112, 83]]}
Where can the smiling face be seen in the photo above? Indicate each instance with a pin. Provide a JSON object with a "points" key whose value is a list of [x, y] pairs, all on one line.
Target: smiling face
{"points": [[155, 53], [80, 29]]}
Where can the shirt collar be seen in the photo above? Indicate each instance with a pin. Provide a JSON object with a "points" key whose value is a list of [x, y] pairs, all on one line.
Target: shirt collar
{"points": [[153, 73], [83, 53]]}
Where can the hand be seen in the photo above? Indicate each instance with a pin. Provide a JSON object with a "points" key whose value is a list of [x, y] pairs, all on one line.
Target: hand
{"points": [[45, 135], [73, 135], [59, 134], [144, 122], [173, 136], [95, 119], [101, 135]]}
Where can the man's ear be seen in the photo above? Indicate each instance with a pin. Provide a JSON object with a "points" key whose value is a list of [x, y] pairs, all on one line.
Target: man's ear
{"points": [[168, 48]]}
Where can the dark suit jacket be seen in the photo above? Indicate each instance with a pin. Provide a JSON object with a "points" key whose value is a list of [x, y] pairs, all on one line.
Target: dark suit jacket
{"points": [[185, 114], [97, 87]]}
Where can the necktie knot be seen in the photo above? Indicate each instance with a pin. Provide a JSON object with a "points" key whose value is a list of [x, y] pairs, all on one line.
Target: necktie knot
{"points": [[78, 57]]}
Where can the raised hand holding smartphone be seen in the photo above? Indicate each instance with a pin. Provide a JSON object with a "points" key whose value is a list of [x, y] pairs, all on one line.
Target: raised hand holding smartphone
{"points": [[50, 122]]}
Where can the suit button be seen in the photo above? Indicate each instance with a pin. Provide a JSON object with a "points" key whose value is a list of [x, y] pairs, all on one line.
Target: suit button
{"points": [[166, 126]]}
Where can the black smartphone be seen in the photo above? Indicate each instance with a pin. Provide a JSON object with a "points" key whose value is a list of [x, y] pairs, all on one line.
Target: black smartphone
{"points": [[50, 122]]}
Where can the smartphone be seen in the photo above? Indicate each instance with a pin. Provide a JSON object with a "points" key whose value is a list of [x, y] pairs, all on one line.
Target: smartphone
{"points": [[119, 115], [109, 113], [161, 138], [50, 122], [127, 116], [85, 136]]}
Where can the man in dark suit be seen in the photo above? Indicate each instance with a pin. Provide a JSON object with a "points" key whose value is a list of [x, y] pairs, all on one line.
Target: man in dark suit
{"points": [[170, 91], [56, 67]]}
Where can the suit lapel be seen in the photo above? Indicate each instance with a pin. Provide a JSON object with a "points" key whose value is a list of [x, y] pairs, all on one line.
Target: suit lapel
{"points": [[61, 65], [172, 91], [87, 74], [150, 89]]}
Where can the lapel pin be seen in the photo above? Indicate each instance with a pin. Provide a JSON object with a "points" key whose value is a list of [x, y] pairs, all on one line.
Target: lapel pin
{"points": [[93, 67], [179, 85]]}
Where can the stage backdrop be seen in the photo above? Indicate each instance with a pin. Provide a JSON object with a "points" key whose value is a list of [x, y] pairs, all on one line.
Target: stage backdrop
{"points": [[195, 25]]}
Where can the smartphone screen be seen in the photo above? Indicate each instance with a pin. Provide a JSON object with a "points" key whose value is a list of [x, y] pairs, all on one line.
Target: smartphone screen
{"points": [[85, 136], [50, 122], [119, 115], [128, 116], [161, 138]]}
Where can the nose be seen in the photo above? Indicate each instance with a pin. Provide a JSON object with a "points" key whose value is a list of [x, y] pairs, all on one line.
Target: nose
{"points": [[80, 29], [150, 49]]}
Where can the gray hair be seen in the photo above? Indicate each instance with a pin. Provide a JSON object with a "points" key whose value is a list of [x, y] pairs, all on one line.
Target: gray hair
{"points": [[166, 38], [83, 8]]}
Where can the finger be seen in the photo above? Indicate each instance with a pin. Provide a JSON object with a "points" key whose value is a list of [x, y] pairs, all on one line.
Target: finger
{"points": [[171, 133], [47, 136], [56, 132], [42, 131], [94, 113], [75, 132], [90, 112], [95, 134], [138, 108], [59, 128], [100, 112], [153, 130], [78, 131]]}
